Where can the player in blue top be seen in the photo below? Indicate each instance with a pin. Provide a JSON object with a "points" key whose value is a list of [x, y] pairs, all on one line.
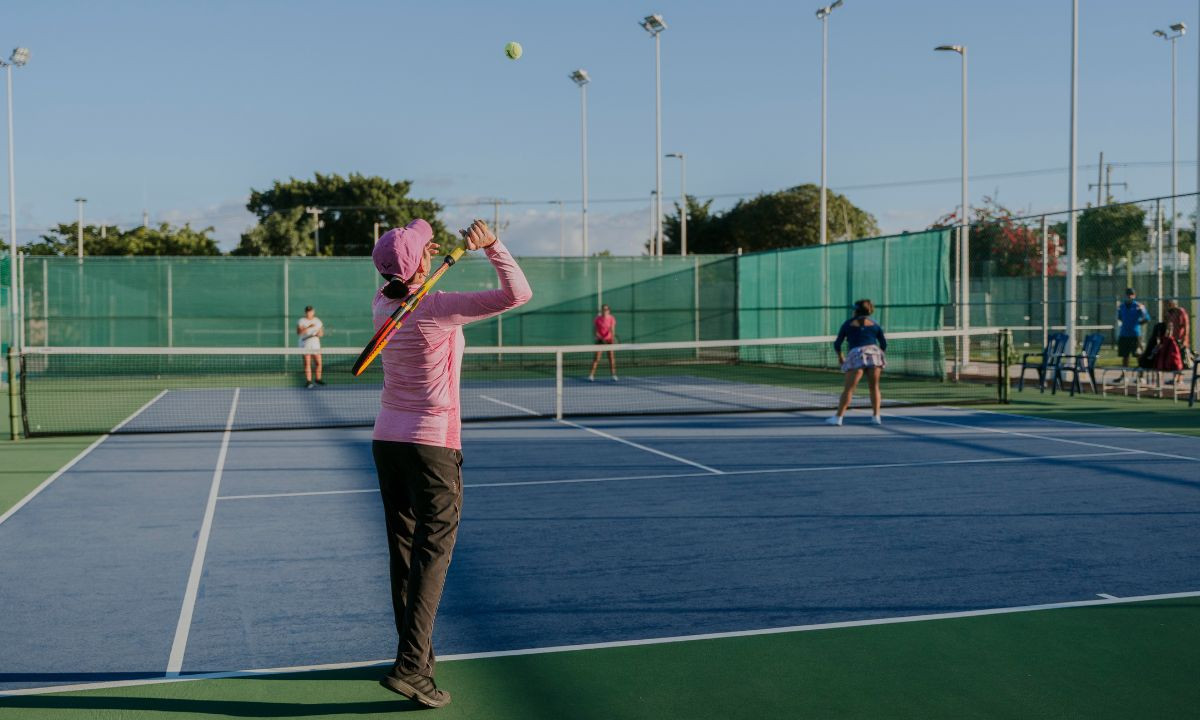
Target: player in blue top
{"points": [[1132, 316], [867, 345]]}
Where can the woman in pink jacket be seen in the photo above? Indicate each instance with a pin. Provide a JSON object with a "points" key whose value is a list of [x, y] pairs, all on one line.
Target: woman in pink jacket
{"points": [[417, 445]]}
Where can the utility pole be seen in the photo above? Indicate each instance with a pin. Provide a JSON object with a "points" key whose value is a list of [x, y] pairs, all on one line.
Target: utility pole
{"points": [[316, 213], [1108, 183], [1099, 184]]}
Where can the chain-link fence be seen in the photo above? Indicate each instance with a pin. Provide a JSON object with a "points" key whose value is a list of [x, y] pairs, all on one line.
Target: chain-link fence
{"points": [[1019, 268]]}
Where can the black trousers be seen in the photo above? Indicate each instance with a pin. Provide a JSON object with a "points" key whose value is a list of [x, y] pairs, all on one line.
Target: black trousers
{"points": [[421, 487]]}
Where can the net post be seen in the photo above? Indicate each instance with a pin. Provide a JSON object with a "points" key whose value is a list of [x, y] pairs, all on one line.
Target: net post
{"points": [[558, 385], [14, 401], [1002, 365]]}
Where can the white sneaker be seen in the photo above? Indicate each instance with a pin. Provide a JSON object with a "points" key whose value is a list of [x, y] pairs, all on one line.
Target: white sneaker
{"points": [[833, 420], [591, 378], [614, 378], [876, 420]]}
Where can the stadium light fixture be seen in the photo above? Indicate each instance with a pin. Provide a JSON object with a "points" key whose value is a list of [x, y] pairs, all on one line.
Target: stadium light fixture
{"points": [[581, 78], [824, 12], [654, 24]]}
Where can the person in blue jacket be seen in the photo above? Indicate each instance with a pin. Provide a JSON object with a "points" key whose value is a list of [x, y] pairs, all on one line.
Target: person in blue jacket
{"points": [[1132, 316], [866, 357]]}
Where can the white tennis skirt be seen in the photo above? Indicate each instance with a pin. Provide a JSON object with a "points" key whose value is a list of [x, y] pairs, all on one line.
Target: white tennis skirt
{"points": [[311, 343], [867, 356]]}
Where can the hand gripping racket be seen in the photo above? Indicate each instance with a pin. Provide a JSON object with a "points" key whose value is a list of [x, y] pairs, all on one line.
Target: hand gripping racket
{"points": [[385, 331]]}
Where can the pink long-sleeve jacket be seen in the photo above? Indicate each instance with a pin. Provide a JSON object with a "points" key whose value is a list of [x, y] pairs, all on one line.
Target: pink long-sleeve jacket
{"points": [[421, 364]]}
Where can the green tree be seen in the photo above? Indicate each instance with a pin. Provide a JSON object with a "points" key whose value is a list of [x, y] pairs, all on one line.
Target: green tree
{"points": [[788, 218], [791, 218], [162, 240], [286, 232], [351, 207], [1004, 244], [1112, 233], [703, 229]]}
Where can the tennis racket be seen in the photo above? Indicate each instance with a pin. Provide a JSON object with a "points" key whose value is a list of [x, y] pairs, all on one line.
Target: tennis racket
{"points": [[385, 331]]}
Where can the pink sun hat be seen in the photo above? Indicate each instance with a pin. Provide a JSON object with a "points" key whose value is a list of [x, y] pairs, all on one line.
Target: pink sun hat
{"points": [[398, 251]]}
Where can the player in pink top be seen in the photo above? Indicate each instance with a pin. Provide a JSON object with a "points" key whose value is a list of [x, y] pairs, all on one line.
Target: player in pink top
{"points": [[605, 325], [417, 445]]}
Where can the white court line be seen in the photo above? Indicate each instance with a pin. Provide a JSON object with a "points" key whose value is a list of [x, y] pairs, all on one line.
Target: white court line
{"points": [[45, 483], [179, 646], [1096, 426], [508, 404], [297, 494], [609, 645], [731, 473], [1043, 437], [603, 434], [1106, 596]]}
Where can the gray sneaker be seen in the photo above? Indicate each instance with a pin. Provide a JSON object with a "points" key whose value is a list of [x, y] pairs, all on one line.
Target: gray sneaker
{"points": [[416, 687]]}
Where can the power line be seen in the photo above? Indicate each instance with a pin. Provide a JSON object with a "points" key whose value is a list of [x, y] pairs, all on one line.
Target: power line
{"points": [[841, 188]]}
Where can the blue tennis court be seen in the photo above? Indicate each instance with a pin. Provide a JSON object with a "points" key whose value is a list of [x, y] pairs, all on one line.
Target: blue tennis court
{"points": [[208, 552]]}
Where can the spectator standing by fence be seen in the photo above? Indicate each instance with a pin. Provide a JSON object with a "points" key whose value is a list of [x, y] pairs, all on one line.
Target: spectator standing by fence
{"points": [[1179, 327], [1131, 315]]}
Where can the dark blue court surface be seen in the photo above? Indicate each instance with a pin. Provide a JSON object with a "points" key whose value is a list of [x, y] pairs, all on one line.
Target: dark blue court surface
{"points": [[581, 532]]}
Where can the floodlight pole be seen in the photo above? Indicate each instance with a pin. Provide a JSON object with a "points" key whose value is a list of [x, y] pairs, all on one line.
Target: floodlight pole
{"points": [[79, 201], [582, 79], [1174, 176], [823, 16], [683, 209], [1179, 30], [654, 25], [18, 58], [964, 231], [1072, 227], [658, 144]]}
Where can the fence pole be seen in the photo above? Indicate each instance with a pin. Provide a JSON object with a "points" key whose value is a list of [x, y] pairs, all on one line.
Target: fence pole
{"points": [[14, 399], [558, 385], [170, 306], [287, 326], [696, 298], [1045, 280], [1158, 256], [45, 302], [24, 304], [778, 293]]}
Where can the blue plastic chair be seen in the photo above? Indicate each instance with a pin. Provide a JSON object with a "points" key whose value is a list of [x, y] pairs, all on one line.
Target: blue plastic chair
{"points": [[1084, 362], [1048, 361]]}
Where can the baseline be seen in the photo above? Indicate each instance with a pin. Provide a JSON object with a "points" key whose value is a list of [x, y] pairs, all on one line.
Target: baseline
{"points": [[606, 645]]}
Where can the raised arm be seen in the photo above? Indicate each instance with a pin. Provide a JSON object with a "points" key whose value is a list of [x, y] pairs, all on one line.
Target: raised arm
{"points": [[460, 308]]}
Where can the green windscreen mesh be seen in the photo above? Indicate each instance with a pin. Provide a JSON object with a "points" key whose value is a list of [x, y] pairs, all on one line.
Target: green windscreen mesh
{"points": [[256, 302], [811, 290]]}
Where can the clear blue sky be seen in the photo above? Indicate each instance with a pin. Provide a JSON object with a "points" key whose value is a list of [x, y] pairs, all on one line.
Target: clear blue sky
{"points": [[186, 106]]}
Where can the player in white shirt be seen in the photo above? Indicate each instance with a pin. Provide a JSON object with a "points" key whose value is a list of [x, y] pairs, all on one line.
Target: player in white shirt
{"points": [[311, 329]]}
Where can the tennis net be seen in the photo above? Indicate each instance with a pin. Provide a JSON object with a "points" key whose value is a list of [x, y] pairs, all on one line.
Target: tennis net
{"points": [[131, 390]]}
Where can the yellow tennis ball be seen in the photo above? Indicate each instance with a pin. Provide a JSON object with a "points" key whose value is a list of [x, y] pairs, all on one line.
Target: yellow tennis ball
{"points": [[513, 50]]}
